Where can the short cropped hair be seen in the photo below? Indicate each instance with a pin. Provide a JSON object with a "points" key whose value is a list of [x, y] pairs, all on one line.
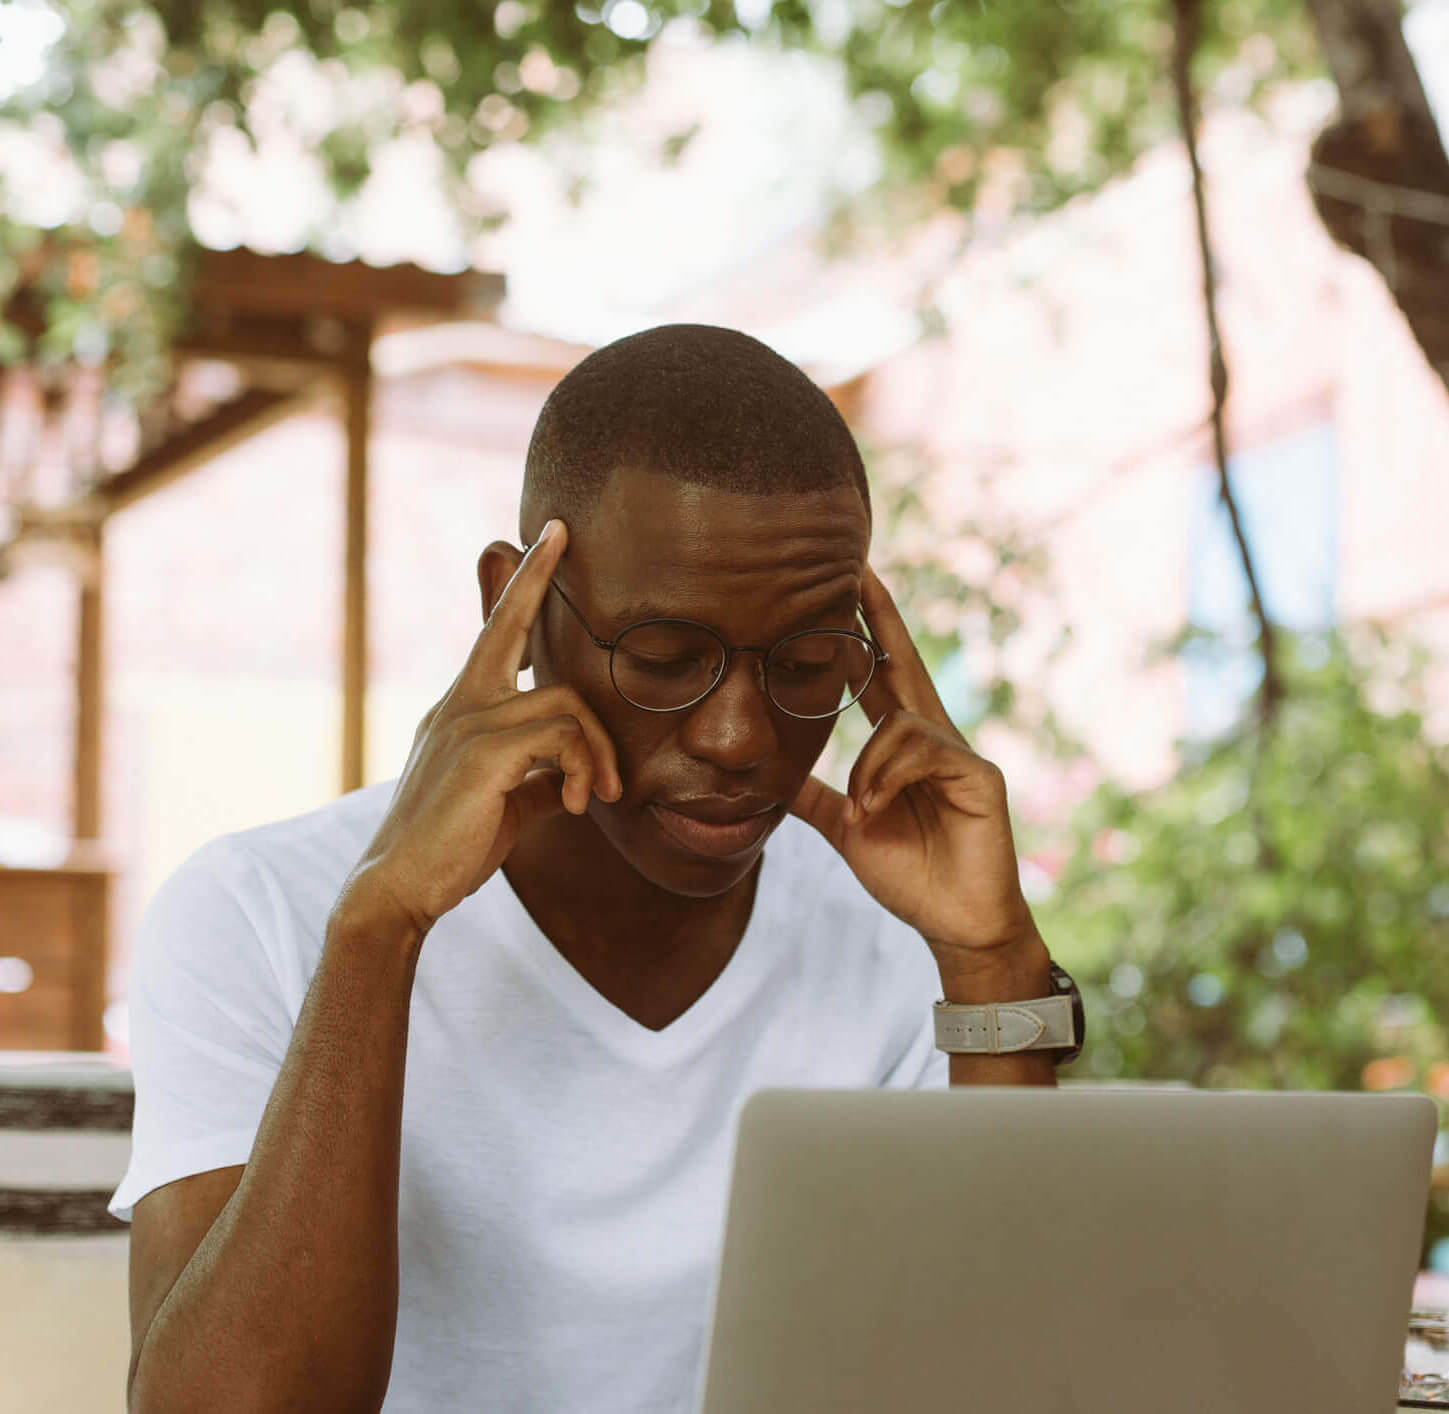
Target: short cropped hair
{"points": [[701, 404]]}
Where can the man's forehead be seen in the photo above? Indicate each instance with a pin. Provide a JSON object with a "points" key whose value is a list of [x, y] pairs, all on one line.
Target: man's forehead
{"points": [[654, 510], [662, 543]]}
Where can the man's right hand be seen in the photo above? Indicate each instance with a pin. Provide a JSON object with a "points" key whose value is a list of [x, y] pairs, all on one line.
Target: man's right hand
{"points": [[487, 761]]}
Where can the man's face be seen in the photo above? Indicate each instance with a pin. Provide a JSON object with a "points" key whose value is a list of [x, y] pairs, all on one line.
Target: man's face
{"points": [[754, 569]]}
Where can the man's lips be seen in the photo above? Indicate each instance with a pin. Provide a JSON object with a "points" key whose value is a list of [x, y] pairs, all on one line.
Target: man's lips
{"points": [[733, 828]]}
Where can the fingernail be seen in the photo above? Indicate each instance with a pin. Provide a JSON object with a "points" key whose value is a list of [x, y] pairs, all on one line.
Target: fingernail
{"points": [[549, 531], [867, 801]]}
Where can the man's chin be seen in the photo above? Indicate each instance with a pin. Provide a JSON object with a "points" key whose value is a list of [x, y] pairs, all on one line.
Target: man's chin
{"points": [[668, 862]]}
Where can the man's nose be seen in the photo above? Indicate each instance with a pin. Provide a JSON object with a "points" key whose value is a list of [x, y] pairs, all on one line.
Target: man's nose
{"points": [[734, 726]]}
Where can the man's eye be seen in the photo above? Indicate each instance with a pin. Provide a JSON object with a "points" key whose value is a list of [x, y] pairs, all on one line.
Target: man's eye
{"points": [[811, 656], [660, 667]]}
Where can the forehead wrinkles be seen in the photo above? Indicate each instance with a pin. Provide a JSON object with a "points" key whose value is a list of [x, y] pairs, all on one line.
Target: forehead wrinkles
{"points": [[767, 593], [767, 547], [687, 550], [765, 557]]}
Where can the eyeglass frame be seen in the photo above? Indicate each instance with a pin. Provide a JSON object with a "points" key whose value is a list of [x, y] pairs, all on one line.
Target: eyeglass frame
{"points": [[879, 657]]}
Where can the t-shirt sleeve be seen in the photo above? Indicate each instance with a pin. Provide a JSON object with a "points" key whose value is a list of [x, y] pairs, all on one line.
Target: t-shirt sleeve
{"points": [[209, 1021]]}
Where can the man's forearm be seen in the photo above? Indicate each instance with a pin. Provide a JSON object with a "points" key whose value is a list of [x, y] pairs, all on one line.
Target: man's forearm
{"points": [[290, 1300]]}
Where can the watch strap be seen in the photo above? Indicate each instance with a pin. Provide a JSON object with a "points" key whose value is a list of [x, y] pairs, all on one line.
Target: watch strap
{"points": [[998, 1028]]}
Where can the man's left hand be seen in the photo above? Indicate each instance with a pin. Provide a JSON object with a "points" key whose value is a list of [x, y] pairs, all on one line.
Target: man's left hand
{"points": [[924, 826]]}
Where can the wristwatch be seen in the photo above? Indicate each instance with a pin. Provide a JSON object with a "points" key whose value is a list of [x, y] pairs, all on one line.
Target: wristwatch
{"points": [[1056, 1023]]}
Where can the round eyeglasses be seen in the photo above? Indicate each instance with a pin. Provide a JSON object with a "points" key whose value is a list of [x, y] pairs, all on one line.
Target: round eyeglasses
{"points": [[666, 665]]}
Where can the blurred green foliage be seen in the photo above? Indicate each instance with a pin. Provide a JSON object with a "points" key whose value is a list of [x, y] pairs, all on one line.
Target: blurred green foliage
{"points": [[1282, 903], [134, 93], [1277, 914]]}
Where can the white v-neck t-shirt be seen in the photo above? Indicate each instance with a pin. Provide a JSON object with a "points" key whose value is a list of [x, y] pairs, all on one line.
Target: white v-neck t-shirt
{"points": [[564, 1170]]}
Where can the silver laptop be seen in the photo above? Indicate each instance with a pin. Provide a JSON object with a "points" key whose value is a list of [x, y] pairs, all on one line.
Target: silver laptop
{"points": [[1072, 1251]]}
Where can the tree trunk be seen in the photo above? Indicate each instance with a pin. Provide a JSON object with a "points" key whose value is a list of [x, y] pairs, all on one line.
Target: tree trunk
{"points": [[1379, 174]]}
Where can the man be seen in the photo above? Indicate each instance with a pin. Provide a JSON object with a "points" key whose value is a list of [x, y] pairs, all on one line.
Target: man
{"points": [[561, 926]]}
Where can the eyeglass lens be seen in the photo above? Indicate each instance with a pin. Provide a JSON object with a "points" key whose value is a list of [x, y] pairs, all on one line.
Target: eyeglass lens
{"points": [[665, 666]]}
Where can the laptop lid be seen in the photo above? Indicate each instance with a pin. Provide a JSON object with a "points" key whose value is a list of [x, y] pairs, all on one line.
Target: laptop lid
{"points": [[1068, 1252]]}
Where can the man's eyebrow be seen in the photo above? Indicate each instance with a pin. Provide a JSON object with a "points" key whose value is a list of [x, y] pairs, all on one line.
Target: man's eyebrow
{"points": [[640, 609]]}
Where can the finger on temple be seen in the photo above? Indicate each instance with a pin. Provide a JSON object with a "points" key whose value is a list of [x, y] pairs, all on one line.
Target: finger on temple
{"points": [[904, 681], [497, 654]]}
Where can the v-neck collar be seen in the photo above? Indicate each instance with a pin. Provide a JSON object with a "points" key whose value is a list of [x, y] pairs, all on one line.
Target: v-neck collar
{"points": [[614, 1027]]}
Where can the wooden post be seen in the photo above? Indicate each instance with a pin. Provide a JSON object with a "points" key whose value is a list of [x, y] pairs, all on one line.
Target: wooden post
{"points": [[86, 939], [90, 692], [357, 389]]}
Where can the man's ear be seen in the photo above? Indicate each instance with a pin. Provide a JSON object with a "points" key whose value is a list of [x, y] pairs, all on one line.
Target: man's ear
{"points": [[495, 568]]}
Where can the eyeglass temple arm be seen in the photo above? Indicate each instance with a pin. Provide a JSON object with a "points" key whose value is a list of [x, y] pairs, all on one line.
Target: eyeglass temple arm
{"points": [[597, 641], [881, 656]]}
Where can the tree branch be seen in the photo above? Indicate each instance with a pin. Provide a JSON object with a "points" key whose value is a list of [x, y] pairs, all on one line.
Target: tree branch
{"points": [[1187, 30]]}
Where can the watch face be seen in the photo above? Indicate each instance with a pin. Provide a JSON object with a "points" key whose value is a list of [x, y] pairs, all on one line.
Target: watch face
{"points": [[1062, 981]]}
